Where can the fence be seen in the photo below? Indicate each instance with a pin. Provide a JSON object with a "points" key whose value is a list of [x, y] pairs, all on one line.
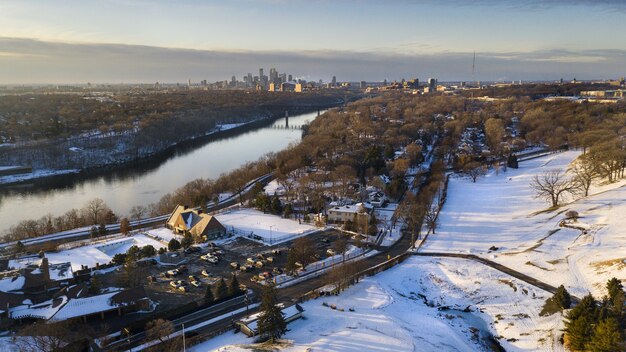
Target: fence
{"points": [[320, 266]]}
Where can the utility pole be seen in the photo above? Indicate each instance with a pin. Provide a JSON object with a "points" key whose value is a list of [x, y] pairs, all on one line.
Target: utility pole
{"points": [[184, 348]]}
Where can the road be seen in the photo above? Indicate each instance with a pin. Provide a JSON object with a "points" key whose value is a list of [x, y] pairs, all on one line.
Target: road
{"points": [[505, 269], [189, 320]]}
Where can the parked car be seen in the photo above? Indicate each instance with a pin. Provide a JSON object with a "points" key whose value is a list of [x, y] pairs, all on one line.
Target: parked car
{"points": [[174, 284], [195, 283], [173, 272], [234, 265], [182, 288], [206, 273], [193, 278], [250, 260], [246, 268], [258, 264], [270, 259], [212, 260], [277, 271], [330, 252]]}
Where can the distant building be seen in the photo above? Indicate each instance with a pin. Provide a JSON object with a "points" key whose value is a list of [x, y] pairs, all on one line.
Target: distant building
{"points": [[363, 85], [432, 84], [198, 224], [334, 81], [272, 87], [298, 88]]}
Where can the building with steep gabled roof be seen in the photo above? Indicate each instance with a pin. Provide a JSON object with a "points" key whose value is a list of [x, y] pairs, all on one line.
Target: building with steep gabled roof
{"points": [[198, 224]]}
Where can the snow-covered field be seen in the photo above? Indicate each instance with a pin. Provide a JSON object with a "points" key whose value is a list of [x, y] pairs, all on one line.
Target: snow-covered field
{"points": [[270, 228], [500, 210], [89, 255], [397, 311]]}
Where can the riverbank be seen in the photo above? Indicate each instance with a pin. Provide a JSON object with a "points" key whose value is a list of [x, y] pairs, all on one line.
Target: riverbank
{"points": [[99, 164]]}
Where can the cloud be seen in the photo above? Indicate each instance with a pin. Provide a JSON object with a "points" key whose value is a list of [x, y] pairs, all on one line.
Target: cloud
{"points": [[35, 61]]}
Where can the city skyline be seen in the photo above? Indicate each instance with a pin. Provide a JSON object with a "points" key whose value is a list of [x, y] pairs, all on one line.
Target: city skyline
{"points": [[119, 41]]}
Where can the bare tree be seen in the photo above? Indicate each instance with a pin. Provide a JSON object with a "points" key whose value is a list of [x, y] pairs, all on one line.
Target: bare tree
{"points": [[552, 186], [340, 245], [95, 210], [137, 212], [430, 217], [584, 172], [161, 330], [49, 337], [304, 250], [474, 170]]}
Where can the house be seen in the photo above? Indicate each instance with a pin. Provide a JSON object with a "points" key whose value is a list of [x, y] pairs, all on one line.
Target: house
{"points": [[249, 324], [352, 213], [198, 224], [34, 279], [377, 199], [65, 307]]}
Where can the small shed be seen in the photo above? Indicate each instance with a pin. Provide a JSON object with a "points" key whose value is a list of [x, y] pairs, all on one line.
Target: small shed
{"points": [[249, 325]]}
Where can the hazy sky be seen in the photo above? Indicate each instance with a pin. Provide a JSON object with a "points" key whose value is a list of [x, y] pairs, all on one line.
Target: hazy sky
{"points": [[172, 41]]}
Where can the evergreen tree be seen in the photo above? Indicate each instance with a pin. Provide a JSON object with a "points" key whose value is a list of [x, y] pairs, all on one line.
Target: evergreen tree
{"points": [[187, 240], [125, 227], [233, 286], [606, 337], [95, 285], [221, 291], [578, 333], [276, 205], [615, 289], [19, 247], [208, 294], [271, 322], [562, 298], [102, 229], [173, 245]]}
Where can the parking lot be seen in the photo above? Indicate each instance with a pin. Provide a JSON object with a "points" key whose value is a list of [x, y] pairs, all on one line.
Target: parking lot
{"points": [[228, 259]]}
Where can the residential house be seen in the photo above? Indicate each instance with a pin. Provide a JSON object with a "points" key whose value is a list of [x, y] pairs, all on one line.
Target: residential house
{"points": [[355, 213], [249, 324]]}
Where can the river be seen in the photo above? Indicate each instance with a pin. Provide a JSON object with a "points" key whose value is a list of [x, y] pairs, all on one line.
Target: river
{"points": [[146, 182]]}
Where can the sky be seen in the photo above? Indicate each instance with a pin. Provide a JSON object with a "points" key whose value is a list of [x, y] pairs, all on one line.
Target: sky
{"points": [[131, 41]]}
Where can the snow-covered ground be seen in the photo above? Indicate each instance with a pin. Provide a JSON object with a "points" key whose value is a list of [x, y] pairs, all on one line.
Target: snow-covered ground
{"points": [[501, 211], [89, 255], [270, 228], [397, 311], [34, 175]]}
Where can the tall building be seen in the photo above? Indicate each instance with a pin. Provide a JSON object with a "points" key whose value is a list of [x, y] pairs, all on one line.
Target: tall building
{"points": [[261, 74], [432, 84], [363, 85], [273, 75], [334, 81], [290, 78]]}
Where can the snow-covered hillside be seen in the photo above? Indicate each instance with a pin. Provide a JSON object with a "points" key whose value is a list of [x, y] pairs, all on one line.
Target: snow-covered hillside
{"points": [[501, 211], [397, 310]]}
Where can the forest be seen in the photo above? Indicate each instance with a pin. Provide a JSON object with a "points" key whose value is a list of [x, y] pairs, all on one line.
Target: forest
{"points": [[82, 131]]}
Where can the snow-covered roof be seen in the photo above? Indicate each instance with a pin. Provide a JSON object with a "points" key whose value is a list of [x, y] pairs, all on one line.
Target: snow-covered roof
{"points": [[12, 283], [84, 306], [44, 310]]}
